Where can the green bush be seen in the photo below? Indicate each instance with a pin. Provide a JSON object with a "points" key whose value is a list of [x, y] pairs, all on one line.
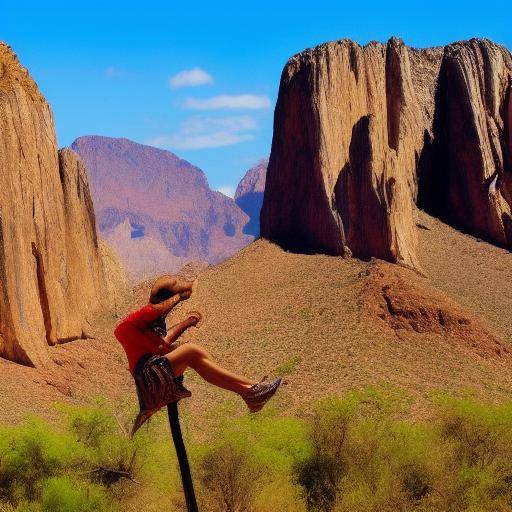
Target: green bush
{"points": [[365, 457], [109, 453], [355, 461], [477, 442], [230, 477], [29, 454], [90, 447], [359, 453], [264, 447], [62, 494]]}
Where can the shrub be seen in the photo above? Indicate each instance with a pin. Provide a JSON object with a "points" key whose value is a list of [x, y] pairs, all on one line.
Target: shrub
{"points": [[477, 440], [362, 458], [265, 446], [229, 475], [110, 454], [61, 494], [29, 454], [358, 453]]}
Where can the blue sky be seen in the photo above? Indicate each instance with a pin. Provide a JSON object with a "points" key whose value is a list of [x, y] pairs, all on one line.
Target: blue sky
{"points": [[116, 68]]}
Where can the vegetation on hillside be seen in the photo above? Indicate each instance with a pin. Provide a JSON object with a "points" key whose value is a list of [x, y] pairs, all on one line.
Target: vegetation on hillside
{"points": [[360, 452]]}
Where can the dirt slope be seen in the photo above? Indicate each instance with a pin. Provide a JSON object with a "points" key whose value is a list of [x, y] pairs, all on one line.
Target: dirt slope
{"points": [[474, 273], [314, 318]]}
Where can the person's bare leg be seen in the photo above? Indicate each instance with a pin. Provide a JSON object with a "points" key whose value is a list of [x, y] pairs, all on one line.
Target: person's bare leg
{"points": [[194, 356]]}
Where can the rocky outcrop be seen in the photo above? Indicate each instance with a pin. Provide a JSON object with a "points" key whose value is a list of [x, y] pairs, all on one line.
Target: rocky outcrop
{"points": [[469, 181], [52, 276], [157, 210], [249, 195], [398, 299], [364, 134]]}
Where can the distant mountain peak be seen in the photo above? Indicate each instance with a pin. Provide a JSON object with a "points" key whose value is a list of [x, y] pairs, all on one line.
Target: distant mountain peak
{"points": [[249, 195], [167, 202]]}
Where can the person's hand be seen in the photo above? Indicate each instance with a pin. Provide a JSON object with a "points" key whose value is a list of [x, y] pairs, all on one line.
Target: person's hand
{"points": [[194, 317], [164, 348], [184, 295], [184, 288]]}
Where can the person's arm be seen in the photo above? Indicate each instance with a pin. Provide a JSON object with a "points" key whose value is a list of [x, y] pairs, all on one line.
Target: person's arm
{"points": [[146, 315], [164, 307], [177, 330]]}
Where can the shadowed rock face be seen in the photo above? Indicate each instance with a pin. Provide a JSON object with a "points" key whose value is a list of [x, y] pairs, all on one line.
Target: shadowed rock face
{"points": [[156, 209], [249, 195], [52, 274], [470, 183], [364, 134]]}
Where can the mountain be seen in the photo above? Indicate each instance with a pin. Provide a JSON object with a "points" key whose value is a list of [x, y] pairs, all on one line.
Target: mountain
{"points": [[364, 135], [156, 209], [55, 273], [249, 195]]}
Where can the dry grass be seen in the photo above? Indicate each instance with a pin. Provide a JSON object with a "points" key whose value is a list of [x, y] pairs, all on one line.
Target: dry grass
{"points": [[475, 273], [268, 311]]}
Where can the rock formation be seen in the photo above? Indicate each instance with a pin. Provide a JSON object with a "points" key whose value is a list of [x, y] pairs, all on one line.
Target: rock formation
{"points": [[157, 210], [249, 195], [364, 134], [398, 299], [52, 274]]}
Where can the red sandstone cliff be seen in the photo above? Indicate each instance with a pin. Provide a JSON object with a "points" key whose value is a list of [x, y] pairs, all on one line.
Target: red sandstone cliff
{"points": [[362, 135], [53, 276]]}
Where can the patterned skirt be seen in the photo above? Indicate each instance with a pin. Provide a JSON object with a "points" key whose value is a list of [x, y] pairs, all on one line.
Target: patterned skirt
{"points": [[156, 387]]}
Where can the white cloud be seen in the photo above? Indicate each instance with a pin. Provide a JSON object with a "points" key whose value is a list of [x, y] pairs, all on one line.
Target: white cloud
{"points": [[227, 190], [235, 124], [210, 140], [191, 78], [209, 132], [242, 101]]}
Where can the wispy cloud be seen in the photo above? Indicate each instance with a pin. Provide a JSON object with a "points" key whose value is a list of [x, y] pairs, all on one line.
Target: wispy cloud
{"points": [[191, 78], [112, 72], [209, 132], [209, 140], [232, 123], [228, 101], [227, 190]]}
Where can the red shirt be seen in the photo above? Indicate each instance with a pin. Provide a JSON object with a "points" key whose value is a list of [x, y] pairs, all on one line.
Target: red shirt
{"points": [[136, 336]]}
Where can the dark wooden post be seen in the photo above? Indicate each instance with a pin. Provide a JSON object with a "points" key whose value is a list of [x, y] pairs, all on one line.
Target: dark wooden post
{"points": [[181, 452]]}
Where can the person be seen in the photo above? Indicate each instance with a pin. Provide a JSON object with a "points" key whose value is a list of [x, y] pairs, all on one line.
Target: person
{"points": [[157, 362]]}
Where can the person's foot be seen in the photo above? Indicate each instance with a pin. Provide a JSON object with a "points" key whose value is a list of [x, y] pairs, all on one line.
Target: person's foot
{"points": [[260, 393]]}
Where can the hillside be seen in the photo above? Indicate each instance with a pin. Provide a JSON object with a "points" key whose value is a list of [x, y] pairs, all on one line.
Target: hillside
{"points": [[156, 209], [313, 318]]}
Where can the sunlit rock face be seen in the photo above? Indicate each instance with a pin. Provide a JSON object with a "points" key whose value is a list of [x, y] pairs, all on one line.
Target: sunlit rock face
{"points": [[53, 276], [364, 135]]}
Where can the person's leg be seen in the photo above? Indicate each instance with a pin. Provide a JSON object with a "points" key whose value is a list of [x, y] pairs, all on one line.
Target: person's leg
{"points": [[194, 356]]}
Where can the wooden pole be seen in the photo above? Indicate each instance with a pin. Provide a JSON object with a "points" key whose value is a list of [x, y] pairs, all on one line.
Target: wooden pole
{"points": [[181, 452]]}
